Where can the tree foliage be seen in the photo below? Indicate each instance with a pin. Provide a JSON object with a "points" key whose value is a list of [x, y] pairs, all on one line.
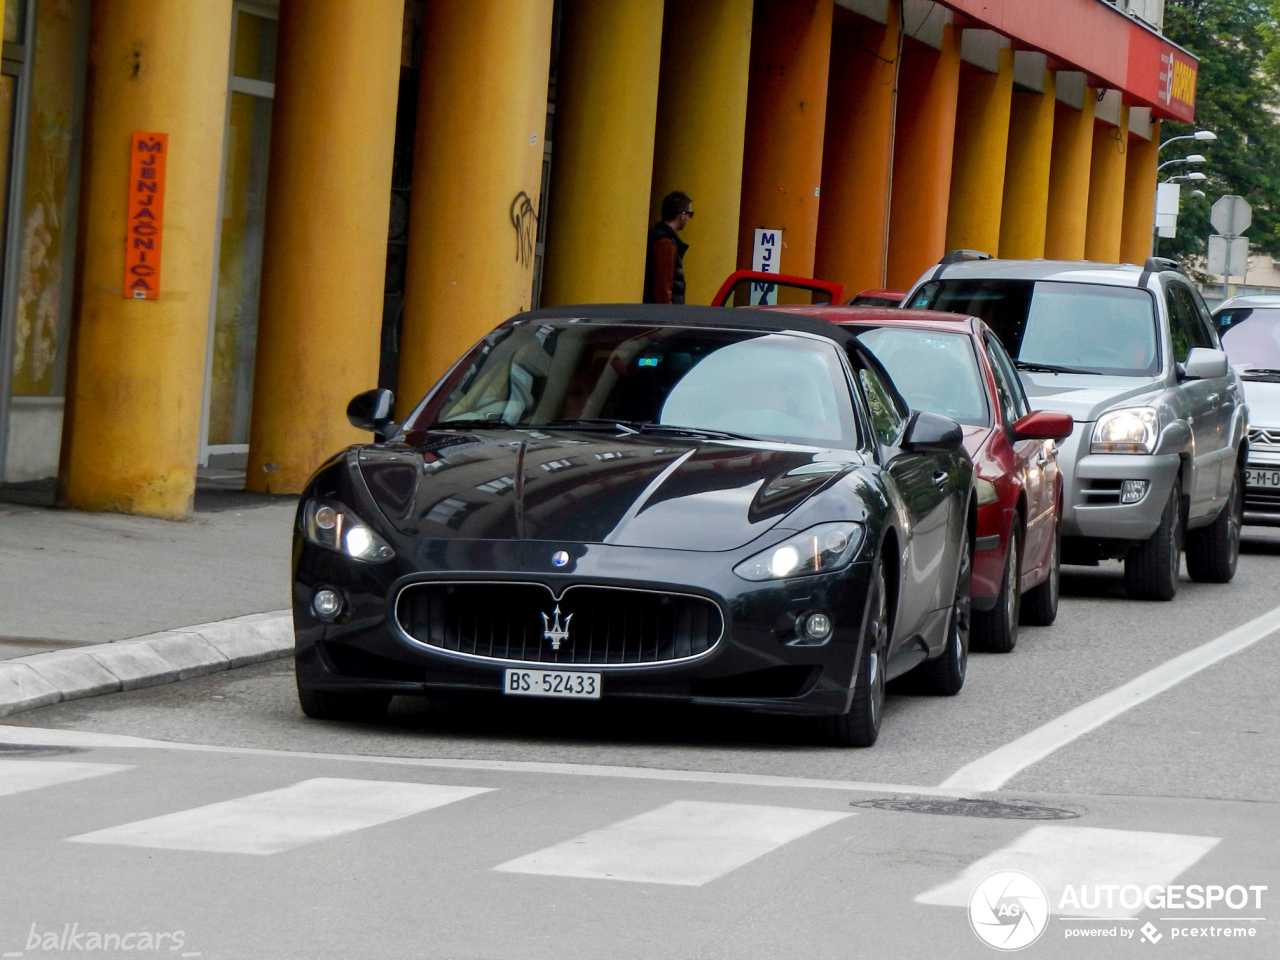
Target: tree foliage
{"points": [[1238, 43]]}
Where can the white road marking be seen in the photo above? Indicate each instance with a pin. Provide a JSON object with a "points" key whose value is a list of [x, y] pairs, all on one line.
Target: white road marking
{"points": [[995, 769], [1082, 856], [279, 820], [19, 776], [686, 843]]}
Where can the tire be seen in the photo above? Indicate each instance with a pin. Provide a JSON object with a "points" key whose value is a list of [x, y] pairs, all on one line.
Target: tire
{"points": [[331, 705], [996, 630], [1151, 569], [1212, 551], [1040, 603], [944, 675], [861, 725]]}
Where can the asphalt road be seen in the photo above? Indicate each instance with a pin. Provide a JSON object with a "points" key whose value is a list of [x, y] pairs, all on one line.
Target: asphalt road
{"points": [[213, 808]]}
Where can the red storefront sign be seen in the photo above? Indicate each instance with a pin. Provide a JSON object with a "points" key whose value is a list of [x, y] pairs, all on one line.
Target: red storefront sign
{"points": [[148, 153], [1162, 75]]}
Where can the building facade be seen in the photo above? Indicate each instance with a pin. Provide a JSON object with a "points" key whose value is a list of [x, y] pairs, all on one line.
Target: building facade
{"points": [[223, 218]]}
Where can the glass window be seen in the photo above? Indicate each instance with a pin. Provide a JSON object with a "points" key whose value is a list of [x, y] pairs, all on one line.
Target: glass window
{"points": [[1197, 327], [887, 416], [934, 371], [1070, 327], [1006, 370], [1007, 388], [1255, 342], [766, 385], [1182, 324], [255, 53], [1205, 318]]}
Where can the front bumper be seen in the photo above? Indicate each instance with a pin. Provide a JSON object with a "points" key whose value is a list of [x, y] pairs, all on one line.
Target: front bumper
{"points": [[756, 665], [1091, 489], [1262, 504]]}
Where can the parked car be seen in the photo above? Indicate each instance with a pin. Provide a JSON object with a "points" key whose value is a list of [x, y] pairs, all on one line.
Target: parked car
{"points": [[878, 298], [1252, 342], [1158, 455], [954, 366], [648, 503]]}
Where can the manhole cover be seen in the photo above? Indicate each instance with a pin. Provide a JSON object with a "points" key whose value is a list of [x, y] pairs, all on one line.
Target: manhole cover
{"points": [[988, 809], [33, 750]]}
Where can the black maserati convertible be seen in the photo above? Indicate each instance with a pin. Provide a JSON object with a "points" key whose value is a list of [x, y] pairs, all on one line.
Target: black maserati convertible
{"points": [[686, 504]]}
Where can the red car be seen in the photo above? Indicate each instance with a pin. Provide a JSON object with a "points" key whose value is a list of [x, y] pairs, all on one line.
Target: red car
{"points": [[878, 298], [953, 365]]}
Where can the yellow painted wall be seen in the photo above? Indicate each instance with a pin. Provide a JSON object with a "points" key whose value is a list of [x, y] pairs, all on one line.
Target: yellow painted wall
{"points": [[1106, 190], [978, 166], [1025, 214], [1064, 237], [1140, 197]]}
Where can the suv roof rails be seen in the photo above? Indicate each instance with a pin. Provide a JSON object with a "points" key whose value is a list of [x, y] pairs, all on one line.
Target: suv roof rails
{"points": [[1158, 265], [958, 256]]}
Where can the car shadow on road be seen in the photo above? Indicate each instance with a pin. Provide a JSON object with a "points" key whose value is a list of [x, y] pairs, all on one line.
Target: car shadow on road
{"points": [[1104, 582]]}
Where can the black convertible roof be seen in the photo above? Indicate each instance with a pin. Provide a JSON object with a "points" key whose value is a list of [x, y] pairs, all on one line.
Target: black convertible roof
{"points": [[739, 318]]}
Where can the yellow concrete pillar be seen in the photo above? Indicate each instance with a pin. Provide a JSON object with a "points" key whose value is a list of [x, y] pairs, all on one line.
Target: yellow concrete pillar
{"points": [[1139, 197], [857, 155], [929, 85], [482, 110], [978, 166], [1064, 236], [137, 379], [1106, 190], [702, 117], [323, 269], [606, 108], [1026, 173], [786, 109]]}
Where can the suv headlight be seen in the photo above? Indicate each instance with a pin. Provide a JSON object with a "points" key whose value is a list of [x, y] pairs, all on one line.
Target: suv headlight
{"points": [[820, 549], [1133, 430], [337, 528]]}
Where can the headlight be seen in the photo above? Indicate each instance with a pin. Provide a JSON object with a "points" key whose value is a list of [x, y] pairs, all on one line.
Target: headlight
{"points": [[986, 491], [820, 549], [1126, 431], [336, 528]]}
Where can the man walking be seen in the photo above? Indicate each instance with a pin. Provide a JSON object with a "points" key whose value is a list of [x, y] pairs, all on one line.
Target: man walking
{"points": [[664, 265]]}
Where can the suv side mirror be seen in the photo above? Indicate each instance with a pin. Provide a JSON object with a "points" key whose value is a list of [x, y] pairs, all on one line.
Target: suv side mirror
{"points": [[372, 411], [1044, 425], [933, 433], [1203, 364]]}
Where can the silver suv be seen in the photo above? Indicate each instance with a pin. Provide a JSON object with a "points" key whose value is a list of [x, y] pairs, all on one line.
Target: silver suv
{"points": [[1156, 459]]}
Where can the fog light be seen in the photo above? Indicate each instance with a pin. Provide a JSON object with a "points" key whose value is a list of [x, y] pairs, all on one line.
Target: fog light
{"points": [[326, 603], [1131, 491], [817, 626]]}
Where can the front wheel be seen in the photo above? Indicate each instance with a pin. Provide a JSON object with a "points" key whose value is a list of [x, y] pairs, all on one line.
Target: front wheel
{"points": [[861, 725], [1040, 603], [335, 705], [996, 630], [1213, 551], [1151, 569], [945, 674]]}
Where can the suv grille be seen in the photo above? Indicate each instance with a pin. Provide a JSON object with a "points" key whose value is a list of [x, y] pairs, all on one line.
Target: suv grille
{"points": [[522, 621]]}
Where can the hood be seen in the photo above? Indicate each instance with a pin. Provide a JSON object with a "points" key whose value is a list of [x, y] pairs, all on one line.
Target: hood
{"points": [[573, 486], [1264, 403], [1084, 396]]}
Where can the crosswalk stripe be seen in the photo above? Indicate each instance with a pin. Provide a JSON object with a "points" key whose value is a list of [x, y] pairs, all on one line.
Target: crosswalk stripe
{"points": [[687, 843], [1059, 856], [278, 820], [19, 776]]}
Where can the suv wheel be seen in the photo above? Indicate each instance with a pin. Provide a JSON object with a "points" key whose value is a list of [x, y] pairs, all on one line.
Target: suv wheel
{"points": [[1212, 551], [996, 629], [1151, 569]]}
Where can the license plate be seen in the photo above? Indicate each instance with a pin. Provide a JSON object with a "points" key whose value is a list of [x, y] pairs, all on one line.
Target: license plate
{"points": [[1262, 478], [552, 683]]}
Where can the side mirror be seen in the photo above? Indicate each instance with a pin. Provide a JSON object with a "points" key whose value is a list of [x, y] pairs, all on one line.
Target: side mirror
{"points": [[933, 433], [372, 411], [1203, 364], [1044, 425]]}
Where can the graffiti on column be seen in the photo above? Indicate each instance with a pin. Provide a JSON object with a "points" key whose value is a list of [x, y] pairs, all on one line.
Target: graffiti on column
{"points": [[525, 221]]}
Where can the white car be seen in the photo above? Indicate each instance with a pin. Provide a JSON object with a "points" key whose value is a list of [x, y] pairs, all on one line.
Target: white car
{"points": [[1250, 328]]}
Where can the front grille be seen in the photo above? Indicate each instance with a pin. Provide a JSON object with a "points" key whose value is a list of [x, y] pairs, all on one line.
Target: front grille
{"points": [[1260, 436], [594, 625], [1102, 491]]}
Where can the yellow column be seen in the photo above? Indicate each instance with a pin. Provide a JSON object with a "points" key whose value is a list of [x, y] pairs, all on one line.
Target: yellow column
{"points": [[1139, 197], [1064, 237], [482, 109], [135, 386], [1026, 174], [929, 85], [602, 173], [702, 116], [320, 313], [978, 166], [1106, 190], [786, 107], [857, 155]]}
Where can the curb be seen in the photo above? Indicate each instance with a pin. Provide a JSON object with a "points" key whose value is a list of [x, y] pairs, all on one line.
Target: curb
{"points": [[44, 678]]}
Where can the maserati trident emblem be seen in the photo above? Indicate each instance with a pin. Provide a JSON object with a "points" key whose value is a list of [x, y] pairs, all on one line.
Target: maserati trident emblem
{"points": [[554, 631]]}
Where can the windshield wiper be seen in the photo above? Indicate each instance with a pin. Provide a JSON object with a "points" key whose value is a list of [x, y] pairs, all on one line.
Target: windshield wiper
{"points": [[1046, 368], [591, 423], [472, 424], [1250, 373], [651, 427]]}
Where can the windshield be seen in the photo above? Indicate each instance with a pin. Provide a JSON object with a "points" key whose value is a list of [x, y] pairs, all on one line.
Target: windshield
{"points": [[1064, 327], [935, 372], [757, 385], [1254, 342]]}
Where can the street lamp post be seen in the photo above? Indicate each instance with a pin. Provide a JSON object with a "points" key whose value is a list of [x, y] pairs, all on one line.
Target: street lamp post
{"points": [[1194, 158], [1202, 135]]}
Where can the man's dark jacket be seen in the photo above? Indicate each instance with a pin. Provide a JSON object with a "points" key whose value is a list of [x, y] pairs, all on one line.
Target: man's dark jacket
{"points": [[661, 231]]}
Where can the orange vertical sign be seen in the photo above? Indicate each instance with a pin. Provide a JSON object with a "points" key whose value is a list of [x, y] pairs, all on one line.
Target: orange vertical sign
{"points": [[148, 153]]}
